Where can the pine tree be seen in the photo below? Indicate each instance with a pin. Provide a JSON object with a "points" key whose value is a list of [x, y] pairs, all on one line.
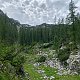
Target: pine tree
{"points": [[72, 8]]}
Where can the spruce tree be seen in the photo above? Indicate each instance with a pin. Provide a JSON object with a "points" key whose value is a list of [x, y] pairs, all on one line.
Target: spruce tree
{"points": [[72, 16]]}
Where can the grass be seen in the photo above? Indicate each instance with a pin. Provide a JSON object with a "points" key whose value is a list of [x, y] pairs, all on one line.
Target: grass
{"points": [[49, 72], [34, 75], [68, 77]]}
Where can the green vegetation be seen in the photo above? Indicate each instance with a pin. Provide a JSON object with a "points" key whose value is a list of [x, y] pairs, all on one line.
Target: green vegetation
{"points": [[34, 75], [41, 59], [18, 42], [10, 63], [63, 54]]}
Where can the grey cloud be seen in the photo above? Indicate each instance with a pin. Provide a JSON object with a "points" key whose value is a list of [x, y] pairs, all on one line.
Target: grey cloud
{"points": [[43, 6], [2, 1], [35, 4], [16, 0], [27, 2], [34, 12], [58, 4]]}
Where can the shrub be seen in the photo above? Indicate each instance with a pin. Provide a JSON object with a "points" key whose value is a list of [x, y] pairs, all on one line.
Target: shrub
{"points": [[18, 60], [63, 54], [41, 59]]}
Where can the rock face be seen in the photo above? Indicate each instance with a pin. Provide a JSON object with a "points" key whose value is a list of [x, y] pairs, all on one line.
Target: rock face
{"points": [[1, 12], [74, 63], [36, 64]]}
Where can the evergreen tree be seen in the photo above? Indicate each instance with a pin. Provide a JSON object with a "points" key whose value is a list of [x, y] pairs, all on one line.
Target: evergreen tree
{"points": [[72, 8]]}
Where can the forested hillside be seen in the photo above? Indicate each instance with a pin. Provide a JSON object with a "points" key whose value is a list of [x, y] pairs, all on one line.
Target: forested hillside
{"points": [[41, 52]]}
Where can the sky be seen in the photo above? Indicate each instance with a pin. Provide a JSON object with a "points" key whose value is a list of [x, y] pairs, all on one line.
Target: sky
{"points": [[35, 12]]}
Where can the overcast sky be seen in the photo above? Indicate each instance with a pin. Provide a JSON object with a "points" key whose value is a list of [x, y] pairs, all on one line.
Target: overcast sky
{"points": [[35, 12]]}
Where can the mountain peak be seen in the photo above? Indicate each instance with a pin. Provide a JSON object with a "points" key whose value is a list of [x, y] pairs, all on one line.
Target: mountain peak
{"points": [[1, 12]]}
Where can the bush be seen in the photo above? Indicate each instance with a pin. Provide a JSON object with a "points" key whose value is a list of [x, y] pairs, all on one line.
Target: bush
{"points": [[63, 54], [41, 59], [18, 60]]}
